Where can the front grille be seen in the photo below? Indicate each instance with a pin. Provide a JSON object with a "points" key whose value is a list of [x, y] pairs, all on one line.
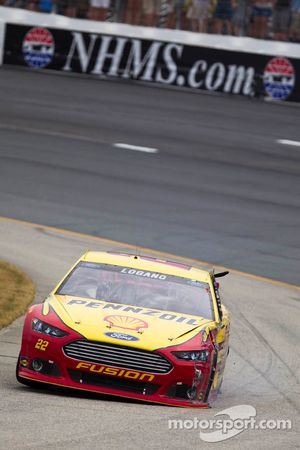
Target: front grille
{"points": [[123, 385], [118, 356]]}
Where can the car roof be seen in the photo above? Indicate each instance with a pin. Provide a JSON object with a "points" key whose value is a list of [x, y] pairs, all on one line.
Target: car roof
{"points": [[147, 263]]}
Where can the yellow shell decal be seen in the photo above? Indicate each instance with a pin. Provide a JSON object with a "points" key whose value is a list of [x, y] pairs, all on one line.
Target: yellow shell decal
{"points": [[125, 322]]}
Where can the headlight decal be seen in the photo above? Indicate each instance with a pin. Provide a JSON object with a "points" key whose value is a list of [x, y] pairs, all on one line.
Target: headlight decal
{"points": [[192, 355], [45, 328]]}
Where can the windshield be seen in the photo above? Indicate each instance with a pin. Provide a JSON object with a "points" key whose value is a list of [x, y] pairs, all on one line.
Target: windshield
{"points": [[137, 287]]}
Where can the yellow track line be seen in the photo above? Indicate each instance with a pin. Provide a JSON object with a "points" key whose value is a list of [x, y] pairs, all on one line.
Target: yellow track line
{"points": [[191, 261]]}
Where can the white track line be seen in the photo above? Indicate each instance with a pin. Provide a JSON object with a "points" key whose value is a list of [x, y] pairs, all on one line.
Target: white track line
{"points": [[288, 142], [75, 137], [137, 148]]}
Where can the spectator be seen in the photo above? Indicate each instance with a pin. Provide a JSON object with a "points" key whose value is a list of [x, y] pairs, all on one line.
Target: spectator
{"points": [[32, 5], [260, 15], [98, 9], [182, 9], [240, 18], [281, 19], [60, 6], [150, 12], [294, 32], [46, 6], [120, 10], [171, 18], [71, 8], [198, 14], [133, 12], [223, 17], [211, 14]]}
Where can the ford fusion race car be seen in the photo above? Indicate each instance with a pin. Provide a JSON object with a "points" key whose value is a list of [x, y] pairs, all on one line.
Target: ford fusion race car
{"points": [[131, 326]]}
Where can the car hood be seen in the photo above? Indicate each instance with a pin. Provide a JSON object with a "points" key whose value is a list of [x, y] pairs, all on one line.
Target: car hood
{"points": [[133, 326]]}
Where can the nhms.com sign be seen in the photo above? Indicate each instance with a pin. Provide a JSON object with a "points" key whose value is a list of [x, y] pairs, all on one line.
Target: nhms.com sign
{"points": [[157, 62], [167, 63]]}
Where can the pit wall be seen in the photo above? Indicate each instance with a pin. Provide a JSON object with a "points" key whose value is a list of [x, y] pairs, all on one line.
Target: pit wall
{"points": [[217, 63]]}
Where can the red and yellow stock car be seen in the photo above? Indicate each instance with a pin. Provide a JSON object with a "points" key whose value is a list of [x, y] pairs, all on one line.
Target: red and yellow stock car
{"points": [[131, 326]]}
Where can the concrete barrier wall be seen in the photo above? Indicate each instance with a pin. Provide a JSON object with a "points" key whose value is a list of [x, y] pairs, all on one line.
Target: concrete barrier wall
{"points": [[199, 61]]}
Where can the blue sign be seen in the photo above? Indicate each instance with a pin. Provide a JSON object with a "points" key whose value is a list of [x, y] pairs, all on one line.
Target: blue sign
{"points": [[121, 336]]}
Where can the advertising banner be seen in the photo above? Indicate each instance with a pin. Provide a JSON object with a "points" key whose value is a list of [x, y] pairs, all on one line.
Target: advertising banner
{"points": [[154, 61]]}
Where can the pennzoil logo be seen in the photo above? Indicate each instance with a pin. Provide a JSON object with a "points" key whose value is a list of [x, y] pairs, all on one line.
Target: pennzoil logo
{"points": [[125, 322], [95, 304], [115, 372]]}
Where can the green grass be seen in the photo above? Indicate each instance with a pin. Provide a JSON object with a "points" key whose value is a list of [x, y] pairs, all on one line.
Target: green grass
{"points": [[16, 293]]}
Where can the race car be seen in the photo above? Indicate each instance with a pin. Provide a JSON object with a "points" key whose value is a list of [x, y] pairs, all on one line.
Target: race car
{"points": [[130, 326]]}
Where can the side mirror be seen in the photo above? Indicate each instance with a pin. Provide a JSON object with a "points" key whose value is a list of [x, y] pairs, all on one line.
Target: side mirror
{"points": [[216, 288], [221, 274]]}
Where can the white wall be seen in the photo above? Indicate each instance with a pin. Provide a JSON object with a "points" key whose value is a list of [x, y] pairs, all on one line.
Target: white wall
{"points": [[246, 44]]}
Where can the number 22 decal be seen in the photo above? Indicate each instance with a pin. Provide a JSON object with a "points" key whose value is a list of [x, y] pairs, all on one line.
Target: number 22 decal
{"points": [[41, 345]]}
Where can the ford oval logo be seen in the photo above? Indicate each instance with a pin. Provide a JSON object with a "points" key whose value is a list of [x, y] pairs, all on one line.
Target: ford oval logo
{"points": [[121, 336]]}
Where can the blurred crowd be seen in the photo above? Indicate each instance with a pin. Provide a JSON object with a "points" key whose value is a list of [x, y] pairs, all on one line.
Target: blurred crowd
{"points": [[265, 19]]}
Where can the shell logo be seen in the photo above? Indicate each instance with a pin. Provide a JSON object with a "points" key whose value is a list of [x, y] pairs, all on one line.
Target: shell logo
{"points": [[125, 322]]}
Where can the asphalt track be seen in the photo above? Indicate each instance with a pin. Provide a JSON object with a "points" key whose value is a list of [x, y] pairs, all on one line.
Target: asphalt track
{"points": [[220, 189], [262, 369]]}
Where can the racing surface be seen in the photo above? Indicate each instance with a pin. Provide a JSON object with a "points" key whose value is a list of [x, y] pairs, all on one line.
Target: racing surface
{"points": [[219, 189], [262, 368]]}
